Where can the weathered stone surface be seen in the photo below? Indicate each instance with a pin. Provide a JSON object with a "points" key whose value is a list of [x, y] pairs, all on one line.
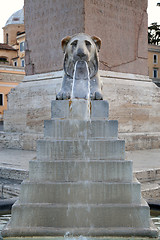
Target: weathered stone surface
{"points": [[78, 129], [43, 22], [74, 213], [99, 109], [76, 184], [30, 104], [51, 150], [133, 99], [72, 193], [71, 171], [18, 140], [122, 50], [63, 109], [100, 233]]}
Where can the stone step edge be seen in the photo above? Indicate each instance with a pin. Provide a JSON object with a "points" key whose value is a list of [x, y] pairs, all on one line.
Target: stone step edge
{"points": [[19, 174], [143, 204], [13, 173], [52, 140], [81, 161], [91, 233], [25, 182], [101, 120], [77, 138], [148, 175]]}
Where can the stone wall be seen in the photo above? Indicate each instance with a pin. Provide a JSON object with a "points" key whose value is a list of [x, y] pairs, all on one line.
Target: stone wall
{"points": [[133, 101], [11, 74], [46, 23], [121, 24]]}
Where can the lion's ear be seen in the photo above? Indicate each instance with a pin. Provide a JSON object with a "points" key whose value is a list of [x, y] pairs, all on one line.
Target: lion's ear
{"points": [[97, 41], [64, 42]]}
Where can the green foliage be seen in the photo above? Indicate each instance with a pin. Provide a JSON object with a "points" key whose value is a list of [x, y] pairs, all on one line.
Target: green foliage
{"points": [[154, 34]]}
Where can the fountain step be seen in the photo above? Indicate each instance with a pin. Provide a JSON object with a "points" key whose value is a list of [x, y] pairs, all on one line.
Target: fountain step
{"points": [[78, 149], [73, 171], [62, 109], [68, 129], [80, 193], [52, 233], [80, 215]]}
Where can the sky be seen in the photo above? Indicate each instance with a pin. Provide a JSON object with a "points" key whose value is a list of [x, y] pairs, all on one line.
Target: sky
{"points": [[8, 7]]}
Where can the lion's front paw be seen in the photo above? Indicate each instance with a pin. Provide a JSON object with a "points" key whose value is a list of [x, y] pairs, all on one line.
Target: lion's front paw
{"points": [[62, 95], [96, 96]]}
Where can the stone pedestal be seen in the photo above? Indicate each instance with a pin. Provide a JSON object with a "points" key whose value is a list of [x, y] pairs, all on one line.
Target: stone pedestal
{"points": [[80, 182], [133, 99], [121, 24]]}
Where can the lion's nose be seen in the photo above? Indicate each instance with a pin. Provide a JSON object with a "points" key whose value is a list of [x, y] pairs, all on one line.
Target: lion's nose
{"points": [[80, 53]]}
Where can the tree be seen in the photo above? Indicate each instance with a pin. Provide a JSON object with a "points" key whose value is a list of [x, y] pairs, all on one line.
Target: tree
{"points": [[154, 34]]}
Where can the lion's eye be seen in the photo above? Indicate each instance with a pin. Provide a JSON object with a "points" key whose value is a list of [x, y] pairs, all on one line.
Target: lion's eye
{"points": [[88, 44], [74, 43]]}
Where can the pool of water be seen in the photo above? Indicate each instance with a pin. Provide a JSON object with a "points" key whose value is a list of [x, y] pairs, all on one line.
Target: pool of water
{"points": [[3, 221]]}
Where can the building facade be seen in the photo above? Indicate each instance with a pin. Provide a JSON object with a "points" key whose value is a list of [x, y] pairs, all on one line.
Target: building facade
{"points": [[154, 63], [12, 57], [10, 77]]}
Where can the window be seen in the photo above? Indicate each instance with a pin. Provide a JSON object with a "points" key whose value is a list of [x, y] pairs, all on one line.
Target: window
{"points": [[15, 19], [155, 73], [15, 63], [6, 38], [22, 62], [1, 99], [22, 46], [3, 59], [155, 58]]}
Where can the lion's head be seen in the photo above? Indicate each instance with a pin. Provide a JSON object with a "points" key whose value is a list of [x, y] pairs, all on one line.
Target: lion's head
{"points": [[81, 47]]}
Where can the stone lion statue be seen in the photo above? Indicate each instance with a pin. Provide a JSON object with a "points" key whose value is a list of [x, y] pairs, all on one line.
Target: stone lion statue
{"points": [[81, 47]]}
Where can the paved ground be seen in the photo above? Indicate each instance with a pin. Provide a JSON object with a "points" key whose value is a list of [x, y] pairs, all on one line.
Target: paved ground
{"points": [[16, 159], [19, 159], [144, 159]]}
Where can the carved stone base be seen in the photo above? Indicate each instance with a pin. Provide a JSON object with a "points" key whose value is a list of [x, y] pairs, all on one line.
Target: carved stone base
{"points": [[80, 182], [133, 99]]}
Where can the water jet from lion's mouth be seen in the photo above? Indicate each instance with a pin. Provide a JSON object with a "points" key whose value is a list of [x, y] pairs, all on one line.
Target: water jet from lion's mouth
{"points": [[81, 81]]}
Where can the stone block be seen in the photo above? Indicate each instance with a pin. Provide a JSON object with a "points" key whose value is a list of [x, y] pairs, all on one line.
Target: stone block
{"points": [[68, 108], [99, 109], [73, 216], [80, 193], [20, 117], [78, 129], [51, 150], [79, 109], [60, 109], [125, 51], [80, 184], [74, 171]]}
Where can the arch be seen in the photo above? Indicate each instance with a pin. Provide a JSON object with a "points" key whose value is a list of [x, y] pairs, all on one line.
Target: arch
{"points": [[3, 59]]}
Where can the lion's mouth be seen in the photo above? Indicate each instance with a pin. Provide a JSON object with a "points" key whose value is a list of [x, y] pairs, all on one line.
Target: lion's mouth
{"points": [[92, 67]]}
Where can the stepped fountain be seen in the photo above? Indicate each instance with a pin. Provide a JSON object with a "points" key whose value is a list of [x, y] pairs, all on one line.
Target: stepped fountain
{"points": [[80, 183]]}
